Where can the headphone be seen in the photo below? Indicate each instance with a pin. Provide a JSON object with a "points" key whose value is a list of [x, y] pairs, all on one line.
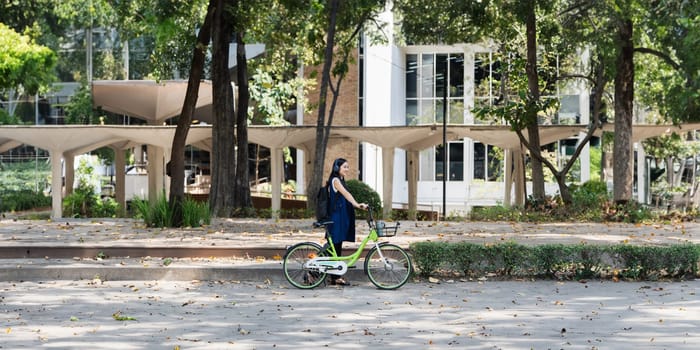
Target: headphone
{"points": [[337, 163]]}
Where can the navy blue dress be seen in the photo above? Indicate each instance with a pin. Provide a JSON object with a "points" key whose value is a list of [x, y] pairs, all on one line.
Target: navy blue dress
{"points": [[343, 216]]}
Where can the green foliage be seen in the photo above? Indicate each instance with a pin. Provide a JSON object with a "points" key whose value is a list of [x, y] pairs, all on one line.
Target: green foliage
{"points": [[365, 194], [7, 119], [559, 261], [195, 214], [22, 184], [18, 200], [79, 109], [85, 202], [160, 214], [24, 64], [429, 257]]}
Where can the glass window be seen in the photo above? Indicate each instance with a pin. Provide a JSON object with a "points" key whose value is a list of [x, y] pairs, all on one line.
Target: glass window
{"points": [[412, 112], [457, 75], [456, 154], [479, 161], [439, 163], [411, 76], [428, 78], [427, 161], [495, 163]]}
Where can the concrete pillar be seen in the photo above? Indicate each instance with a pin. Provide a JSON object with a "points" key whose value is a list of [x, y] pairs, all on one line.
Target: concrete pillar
{"points": [[120, 174], [56, 184], [412, 184], [276, 158], [519, 176], [508, 178], [388, 180], [155, 172], [69, 159]]}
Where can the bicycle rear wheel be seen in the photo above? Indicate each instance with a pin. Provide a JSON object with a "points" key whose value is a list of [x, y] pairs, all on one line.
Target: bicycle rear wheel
{"points": [[293, 266], [390, 272]]}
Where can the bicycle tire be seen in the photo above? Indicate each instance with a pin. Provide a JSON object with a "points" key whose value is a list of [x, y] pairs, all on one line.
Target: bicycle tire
{"points": [[293, 266], [392, 274]]}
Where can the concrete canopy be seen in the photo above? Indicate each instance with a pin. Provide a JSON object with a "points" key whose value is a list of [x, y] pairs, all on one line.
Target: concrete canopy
{"points": [[149, 100], [65, 140]]}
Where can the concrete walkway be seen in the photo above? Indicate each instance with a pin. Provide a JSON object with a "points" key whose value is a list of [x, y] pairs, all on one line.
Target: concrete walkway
{"points": [[460, 315], [152, 302], [251, 249]]}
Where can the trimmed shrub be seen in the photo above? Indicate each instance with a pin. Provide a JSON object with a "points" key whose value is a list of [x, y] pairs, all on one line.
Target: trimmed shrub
{"points": [[559, 261], [365, 194]]}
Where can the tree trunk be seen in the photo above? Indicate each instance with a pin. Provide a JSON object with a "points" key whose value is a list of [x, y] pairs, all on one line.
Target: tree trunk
{"points": [[321, 138], [223, 170], [176, 166], [533, 130], [564, 191], [624, 98], [242, 185]]}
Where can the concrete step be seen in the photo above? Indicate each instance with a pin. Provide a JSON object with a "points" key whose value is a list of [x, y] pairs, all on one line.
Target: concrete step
{"points": [[168, 269], [39, 251]]}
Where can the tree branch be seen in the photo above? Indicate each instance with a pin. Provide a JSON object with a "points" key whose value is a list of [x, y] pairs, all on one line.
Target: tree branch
{"points": [[663, 56]]}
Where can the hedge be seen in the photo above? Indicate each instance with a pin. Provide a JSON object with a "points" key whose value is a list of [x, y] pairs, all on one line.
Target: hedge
{"points": [[557, 261]]}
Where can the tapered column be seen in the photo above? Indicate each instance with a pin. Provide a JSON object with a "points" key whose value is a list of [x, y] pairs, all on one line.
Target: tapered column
{"points": [[412, 184], [388, 180], [56, 184]]}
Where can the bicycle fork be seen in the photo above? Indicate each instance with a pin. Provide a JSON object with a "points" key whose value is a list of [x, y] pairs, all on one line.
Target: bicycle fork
{"points": [[387, 264]]}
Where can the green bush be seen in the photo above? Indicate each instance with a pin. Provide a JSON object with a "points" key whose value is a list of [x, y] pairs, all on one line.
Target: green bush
{"points": [[24, 199], [195, 214], [160, 214], [580, 261], [84, 201], [365, 194]]}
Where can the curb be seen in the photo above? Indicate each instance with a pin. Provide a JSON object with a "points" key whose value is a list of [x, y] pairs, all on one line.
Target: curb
{"points": [[260, 272]]}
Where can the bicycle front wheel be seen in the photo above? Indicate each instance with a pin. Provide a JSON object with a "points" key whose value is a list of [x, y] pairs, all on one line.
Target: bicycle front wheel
{"points": [[293, 265], [388, 266]]}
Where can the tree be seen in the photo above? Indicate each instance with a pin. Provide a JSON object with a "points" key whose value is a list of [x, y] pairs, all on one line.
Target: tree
{"points": [[177, 159], [24, 65], [221, 194], [345, 21]]}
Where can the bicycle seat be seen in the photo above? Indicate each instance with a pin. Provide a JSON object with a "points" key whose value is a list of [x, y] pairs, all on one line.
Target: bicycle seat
{"points": [[318, 224]]}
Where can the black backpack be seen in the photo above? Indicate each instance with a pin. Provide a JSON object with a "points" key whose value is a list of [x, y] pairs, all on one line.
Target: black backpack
{"points": [[323, 204]]}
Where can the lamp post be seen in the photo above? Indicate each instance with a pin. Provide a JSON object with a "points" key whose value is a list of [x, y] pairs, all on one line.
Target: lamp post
{"points": [[444, 146]]}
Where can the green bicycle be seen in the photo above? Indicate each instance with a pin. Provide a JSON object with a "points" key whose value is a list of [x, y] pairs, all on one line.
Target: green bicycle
{"points": [[388, 266]]}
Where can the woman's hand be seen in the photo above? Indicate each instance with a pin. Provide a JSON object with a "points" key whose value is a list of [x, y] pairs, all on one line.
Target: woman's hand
{"points": [[362, 206]]}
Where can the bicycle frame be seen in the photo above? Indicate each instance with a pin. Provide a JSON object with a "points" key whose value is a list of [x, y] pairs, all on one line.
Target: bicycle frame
{"points": [[352, 259], [387, 265]]}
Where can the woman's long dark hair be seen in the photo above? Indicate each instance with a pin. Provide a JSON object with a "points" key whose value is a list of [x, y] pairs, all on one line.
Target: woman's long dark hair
{"points": [[335, 171]]}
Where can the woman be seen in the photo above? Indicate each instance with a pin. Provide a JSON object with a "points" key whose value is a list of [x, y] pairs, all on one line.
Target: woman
{"points": [[343, 206]]}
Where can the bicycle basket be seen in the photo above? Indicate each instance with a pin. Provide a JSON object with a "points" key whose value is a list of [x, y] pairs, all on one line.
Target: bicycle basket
{"points": [[385, 231]]}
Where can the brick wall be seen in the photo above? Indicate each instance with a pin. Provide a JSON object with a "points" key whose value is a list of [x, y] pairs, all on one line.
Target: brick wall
{"points": [[346, 113]]}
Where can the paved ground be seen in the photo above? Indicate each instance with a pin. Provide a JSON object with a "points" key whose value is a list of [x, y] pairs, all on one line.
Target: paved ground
{"points": [[247, 315], [261, 311], [281, 233]]}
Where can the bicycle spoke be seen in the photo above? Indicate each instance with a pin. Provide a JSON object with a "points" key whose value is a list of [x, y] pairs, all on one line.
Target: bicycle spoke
{"points": [[293, 266], [392, 271]]}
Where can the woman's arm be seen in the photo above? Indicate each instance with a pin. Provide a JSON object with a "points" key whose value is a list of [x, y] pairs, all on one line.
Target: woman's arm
{"points": [[340, 188]]}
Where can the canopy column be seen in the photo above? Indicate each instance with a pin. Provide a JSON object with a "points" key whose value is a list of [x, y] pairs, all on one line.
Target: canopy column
{"points": [[388, 179], [519, 177], [508, 179], [276, 159], [69, 159], [412, 184], [155, 172], [56, 184], [120, 174]]}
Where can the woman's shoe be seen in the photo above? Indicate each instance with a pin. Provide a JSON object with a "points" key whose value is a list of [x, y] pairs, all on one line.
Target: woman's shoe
{"points": [[340, 282]]}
